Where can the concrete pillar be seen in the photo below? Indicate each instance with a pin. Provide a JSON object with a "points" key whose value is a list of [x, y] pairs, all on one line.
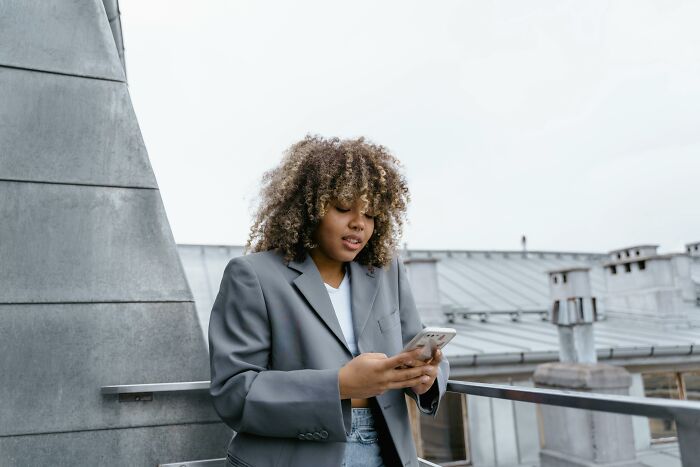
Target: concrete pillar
{"points": [[578, 438], [423, 271], [574, 437]]}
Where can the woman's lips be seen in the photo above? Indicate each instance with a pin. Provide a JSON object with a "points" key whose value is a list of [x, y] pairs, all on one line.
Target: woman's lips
{"points": [[352, 246]]}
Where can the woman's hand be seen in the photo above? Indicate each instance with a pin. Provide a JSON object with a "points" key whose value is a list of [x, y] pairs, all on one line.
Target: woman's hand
{"points": [[430, 369], [371, 374]]}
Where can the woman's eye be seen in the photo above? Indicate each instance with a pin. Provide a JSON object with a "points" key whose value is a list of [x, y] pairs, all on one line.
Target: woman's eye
{"points": [[368, 216], [341, 209]]}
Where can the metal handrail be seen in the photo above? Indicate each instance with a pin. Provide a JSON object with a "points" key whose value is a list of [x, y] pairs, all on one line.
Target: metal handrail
{"points": [[686, 414], [221, 463], [627, 405]]}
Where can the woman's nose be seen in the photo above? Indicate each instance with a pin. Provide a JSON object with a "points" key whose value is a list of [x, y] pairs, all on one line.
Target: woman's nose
{"points": [[357, 220]]}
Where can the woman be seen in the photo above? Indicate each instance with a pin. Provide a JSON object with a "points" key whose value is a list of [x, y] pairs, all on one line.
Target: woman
{"points": [[306, 333]]}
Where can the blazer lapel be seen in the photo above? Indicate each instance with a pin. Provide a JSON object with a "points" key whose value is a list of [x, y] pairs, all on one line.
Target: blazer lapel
{"points": [[310, 284], [363, 292]]}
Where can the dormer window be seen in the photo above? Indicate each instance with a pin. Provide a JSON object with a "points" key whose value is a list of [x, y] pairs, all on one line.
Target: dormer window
{"points": [[628, 267], [613, 269], [619, 256], [563, 278], [637, 252], [554, 278], [642, 265]]}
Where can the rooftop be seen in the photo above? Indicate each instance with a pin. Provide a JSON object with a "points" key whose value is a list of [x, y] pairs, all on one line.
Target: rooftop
{"points": [[503, 294]]}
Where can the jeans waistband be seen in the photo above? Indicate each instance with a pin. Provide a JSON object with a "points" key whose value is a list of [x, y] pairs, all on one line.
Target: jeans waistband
{"points": [[362, 417]]}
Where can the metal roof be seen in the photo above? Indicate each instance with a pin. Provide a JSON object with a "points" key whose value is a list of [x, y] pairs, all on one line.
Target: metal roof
{"points": [[486, 282], [505, 280]]}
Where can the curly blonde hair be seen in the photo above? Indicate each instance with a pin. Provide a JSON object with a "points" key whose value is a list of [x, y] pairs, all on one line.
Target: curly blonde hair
{"points": [[315, 171]]}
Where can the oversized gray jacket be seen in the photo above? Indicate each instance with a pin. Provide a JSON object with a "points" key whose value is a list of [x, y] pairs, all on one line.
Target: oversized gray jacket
{"points": [[276, 347]]}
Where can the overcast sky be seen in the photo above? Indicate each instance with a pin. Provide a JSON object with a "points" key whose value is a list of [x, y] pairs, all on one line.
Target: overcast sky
{"points": [[575, 123]]}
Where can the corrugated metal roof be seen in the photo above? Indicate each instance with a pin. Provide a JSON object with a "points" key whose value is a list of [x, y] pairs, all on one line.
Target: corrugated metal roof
{"points": [[487, 281], [505, 280]]}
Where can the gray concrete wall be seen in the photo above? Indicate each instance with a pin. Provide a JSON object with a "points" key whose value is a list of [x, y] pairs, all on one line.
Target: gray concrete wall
{"points": [[92, 291], [70, 121], [104, 448], [61, 36], [69, 243]]}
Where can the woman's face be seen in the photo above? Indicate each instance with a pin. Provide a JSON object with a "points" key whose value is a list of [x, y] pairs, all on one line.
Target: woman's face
{"points": [[344, 231]]}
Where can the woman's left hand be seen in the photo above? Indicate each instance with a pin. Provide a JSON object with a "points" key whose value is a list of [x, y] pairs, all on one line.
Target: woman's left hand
{"points": [[430, 369]]}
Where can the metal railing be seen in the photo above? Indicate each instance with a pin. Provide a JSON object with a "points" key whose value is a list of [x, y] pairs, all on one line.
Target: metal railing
{"points": [[222, 463], [686, 414]]}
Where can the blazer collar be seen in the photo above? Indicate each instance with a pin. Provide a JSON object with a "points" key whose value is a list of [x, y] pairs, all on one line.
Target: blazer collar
{"points": [[310, 284], [363, 292], [364, 285]]}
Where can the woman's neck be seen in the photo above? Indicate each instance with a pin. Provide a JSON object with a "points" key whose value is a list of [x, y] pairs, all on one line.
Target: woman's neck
{"points": [[332, 271]]}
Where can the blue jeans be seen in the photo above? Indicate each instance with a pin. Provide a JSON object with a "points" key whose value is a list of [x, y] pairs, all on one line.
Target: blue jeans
{"points": [[362, 448]]}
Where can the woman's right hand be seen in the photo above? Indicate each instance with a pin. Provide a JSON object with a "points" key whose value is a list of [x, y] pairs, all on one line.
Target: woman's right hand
{"points": [[371, 374]]}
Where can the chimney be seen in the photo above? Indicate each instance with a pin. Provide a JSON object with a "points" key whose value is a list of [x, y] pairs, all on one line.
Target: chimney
{"points": [[608, 438], [573, 310]]}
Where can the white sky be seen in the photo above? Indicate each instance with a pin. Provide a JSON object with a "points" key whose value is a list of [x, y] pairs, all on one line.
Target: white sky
{"points": [[573, 122]]}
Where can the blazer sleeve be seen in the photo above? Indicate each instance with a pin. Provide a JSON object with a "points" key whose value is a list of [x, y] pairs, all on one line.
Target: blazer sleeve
{"points": [[248, 396], [411, 324]]}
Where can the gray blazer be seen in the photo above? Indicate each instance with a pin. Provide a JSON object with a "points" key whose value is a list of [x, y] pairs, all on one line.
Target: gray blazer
{"points": [[276, 347]]}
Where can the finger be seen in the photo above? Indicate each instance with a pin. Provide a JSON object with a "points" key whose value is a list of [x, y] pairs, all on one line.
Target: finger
{"points": [[404, 374], [404, 358], [409, 383], [418, 363], [416, 356], [416, 353], [436, 357]]}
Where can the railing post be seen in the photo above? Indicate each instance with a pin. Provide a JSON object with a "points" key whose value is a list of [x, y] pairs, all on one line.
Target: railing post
{"points": [[689, 440]]}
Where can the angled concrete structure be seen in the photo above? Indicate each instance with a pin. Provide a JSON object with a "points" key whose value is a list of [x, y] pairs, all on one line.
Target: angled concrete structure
{"points": [[92, 291]]}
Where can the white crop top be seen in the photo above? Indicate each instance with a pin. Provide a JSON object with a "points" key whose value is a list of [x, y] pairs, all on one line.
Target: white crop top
{"points": [[342, 304]]}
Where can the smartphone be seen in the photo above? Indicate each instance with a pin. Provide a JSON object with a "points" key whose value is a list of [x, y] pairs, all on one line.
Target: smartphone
{"points": [[429, 339]]}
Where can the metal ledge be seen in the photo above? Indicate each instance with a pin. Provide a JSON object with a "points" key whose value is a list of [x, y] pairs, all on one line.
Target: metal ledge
{"points": [[156, 387], [202, 463]]}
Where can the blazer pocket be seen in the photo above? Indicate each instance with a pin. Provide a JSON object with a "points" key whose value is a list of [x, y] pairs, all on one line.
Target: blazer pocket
{"points": [[389, 321]]}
